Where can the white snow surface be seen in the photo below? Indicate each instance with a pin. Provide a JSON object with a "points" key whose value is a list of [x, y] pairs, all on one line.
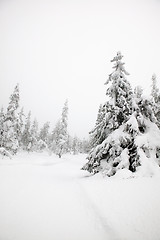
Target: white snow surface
{"points": [[43, 197]]}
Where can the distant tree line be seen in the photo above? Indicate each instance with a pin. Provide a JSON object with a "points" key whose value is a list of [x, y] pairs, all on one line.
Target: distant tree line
{"points": [[127, 130], [18, 132]]}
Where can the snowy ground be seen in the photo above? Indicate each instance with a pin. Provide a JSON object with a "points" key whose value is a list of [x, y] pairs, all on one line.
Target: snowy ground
{"points": [[46, 198]]}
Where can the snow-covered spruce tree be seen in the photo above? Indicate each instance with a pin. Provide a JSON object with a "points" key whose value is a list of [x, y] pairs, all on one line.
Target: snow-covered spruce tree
{"points": [[155, 99], [115, 112], [3, 139], [54, 138], [120, 93], [26, 136], [12, 123], [131, 142], [20, 126], [146, 138], [85, 146], [61, 142], [140, 123], [79, 146], [44, 136], [69, 143], [75, 145], [34, 135]]}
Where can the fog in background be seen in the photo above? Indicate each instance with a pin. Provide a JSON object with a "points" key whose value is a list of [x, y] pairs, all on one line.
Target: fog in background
{"points": [[61, 49]]}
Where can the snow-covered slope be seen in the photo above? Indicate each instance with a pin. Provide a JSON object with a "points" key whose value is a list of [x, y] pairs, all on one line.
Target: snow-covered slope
{"points": [[43, 197]]}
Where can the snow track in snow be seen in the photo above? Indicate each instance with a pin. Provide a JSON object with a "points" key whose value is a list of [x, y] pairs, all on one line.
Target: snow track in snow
{"points": [[44, 197], [44, 200], [101, 222]]}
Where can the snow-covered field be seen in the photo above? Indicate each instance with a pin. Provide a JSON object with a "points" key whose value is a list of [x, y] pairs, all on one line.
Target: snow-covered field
{"points": [[46, 198]]}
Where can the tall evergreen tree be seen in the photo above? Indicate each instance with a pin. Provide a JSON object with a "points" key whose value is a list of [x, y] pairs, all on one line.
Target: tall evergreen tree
{"points": [[125, 145], [120, 93], [114, 112]]}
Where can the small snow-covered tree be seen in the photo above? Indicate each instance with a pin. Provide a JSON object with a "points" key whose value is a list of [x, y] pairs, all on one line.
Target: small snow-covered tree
{"points": [[60, 133], [79, 146], [34, 135], [44, 135], [11, 123], [54, 138], [75, 145], [69, 144], [41, 145], [141, 127], [85, 146], [20, 126], [26, 136], [62, 141]]}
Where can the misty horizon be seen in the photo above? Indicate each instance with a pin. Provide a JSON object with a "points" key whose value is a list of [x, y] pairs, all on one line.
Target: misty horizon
{"points": [[58, 50]]}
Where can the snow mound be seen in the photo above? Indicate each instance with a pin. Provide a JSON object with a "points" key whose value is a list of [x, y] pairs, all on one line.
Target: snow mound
{"points": [[123, 174], [148, 168]]}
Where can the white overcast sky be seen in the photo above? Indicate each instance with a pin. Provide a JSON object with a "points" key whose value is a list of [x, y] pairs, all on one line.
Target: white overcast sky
{"points": [[61, 49]]}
